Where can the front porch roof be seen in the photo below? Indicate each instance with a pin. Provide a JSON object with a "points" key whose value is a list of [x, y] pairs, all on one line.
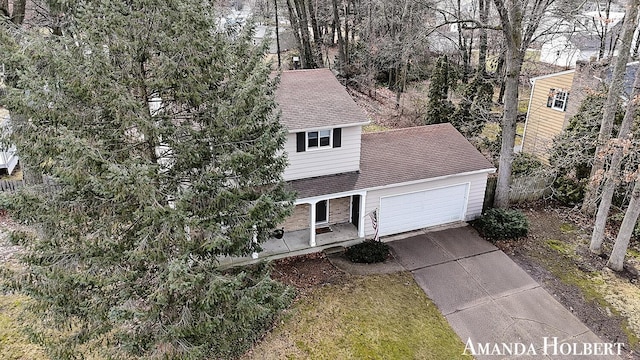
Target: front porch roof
{"points": [[401, 156]]}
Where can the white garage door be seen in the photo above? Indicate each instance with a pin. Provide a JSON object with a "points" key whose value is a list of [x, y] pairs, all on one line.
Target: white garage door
{"points": [[422, 209]]}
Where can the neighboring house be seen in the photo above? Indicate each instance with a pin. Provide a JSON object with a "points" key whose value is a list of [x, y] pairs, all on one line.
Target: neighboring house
{"points": [[264, 32], [566, 49], [555, 98], [412, 178], [546, 112]]}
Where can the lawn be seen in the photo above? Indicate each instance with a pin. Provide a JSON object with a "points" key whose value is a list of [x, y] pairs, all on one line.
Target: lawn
{"points": [[491, 130], [14, 343], [364, 317]]}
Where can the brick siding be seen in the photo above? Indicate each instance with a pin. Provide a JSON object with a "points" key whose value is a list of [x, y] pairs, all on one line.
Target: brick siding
{"points": [[338, 213]]}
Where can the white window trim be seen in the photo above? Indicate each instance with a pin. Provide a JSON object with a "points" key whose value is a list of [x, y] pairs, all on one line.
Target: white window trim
{"points": [[315, 148], [564, 101], [326, 221]]}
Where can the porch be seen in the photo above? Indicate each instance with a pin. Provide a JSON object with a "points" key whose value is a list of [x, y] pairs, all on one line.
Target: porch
{"points": [[297, 243]]}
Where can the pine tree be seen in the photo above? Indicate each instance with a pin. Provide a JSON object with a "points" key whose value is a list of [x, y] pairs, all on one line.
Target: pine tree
{"points": [[439, 107], [472, 113], [161, 134]]}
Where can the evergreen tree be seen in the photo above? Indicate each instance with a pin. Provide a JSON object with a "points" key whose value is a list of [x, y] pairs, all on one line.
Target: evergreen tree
{"points": [[439, 107], [162, 136], [473, 111], [571, 155]]}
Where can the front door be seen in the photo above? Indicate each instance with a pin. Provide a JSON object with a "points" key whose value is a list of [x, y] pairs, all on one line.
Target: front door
{"points": [[355, 210], [322, 212]]}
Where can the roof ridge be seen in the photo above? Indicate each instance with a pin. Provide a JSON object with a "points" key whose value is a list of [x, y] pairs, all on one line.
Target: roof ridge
{"points": [[306, 70], [407, 128]]}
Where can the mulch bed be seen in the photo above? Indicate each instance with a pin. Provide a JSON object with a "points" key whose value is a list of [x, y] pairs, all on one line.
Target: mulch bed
{"points": [[306, 271]]}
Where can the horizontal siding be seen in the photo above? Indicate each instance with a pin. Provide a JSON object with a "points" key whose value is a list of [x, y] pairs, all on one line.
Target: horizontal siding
{"points": [[478, 183], [321, 162], [544, 123]]}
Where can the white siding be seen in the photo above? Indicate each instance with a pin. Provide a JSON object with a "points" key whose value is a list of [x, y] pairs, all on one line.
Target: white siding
{"points": [[478, 184], [327, 161]]}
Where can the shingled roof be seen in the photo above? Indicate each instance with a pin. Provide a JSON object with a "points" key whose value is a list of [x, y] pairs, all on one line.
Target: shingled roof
{"points": [[400, 156], [312, 99]]}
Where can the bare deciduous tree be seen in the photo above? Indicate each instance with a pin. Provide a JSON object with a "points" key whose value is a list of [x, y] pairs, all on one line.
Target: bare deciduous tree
{"points": [[608, 116], [520, 21]]}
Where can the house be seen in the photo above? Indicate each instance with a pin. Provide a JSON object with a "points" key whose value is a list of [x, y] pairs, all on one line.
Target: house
{"points": [[555, 98], [546, 114], [570, 46], [267, 32], [409, 178]]}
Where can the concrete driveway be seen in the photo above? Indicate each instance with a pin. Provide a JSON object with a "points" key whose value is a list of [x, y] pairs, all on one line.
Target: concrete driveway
{"points": [[495, 307]]}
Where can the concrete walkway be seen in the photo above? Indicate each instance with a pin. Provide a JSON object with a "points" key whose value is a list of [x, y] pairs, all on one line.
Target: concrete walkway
{"points": [[491, 303]]}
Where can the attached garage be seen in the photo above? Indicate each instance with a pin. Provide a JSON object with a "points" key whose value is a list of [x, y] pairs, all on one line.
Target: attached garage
{"points": [[413, 178], [421, 209]]}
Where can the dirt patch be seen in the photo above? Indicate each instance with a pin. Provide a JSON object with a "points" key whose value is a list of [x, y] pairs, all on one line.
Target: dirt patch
{"points": [[8, 251], [556, 255], [389, 266], [306, 271]]}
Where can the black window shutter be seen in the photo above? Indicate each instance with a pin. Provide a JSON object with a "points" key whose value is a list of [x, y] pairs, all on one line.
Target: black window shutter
{"points": [[551, 96], [337, 137], [301, 139], [566, 101]]}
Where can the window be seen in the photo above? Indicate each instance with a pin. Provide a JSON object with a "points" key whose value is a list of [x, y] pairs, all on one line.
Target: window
{"points": [[318, 139], [558, 99], [313, 140]]}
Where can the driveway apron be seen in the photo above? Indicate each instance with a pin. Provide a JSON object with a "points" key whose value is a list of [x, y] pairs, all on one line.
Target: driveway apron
{"points": [[496, 308]]}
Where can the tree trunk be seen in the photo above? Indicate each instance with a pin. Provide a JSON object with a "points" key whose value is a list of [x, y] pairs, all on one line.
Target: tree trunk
{"points": [[500, 77], [295, 26], [636, 48], [605, 31], [462, 45], [333, 33], [611, 104], [346, 32], [4, 8], [482, 47], [616, 260], [613, 173], [19, 8], [305, 53], [317, 35], [338, 27], [514, 61]]}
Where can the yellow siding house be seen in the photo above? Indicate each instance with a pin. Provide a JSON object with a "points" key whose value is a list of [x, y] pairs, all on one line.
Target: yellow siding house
{"points": [[546, 116]]}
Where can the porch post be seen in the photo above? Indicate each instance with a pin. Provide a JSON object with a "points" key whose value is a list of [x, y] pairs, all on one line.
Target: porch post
{"points": [[312, 224], [254, 255], [363, 197]]}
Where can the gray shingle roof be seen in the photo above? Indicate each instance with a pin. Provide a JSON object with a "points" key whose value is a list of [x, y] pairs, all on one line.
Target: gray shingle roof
{"points": [[400, 156], [311, 99]]}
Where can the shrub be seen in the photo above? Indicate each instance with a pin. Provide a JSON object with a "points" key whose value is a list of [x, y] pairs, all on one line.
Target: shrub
{"points": [[497, 224], [369, 251], [524, 164], [568, 190]]}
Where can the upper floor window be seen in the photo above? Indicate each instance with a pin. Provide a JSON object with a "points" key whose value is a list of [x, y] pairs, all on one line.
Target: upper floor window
{"points": [[318, 139], [558, 99]]}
